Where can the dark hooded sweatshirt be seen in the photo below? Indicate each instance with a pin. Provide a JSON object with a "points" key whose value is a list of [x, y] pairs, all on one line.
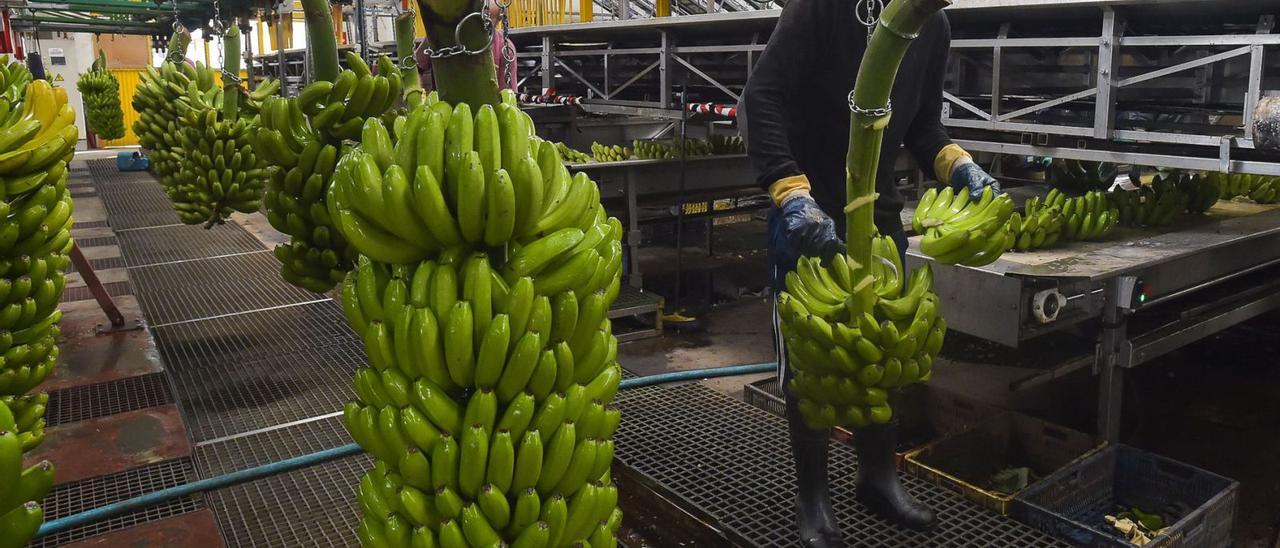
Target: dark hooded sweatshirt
{"points": [[796, 104]]}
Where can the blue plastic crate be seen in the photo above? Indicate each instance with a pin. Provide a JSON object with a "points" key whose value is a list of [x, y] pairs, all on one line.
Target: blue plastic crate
{"points": [[132, 161], [1072, 503]]}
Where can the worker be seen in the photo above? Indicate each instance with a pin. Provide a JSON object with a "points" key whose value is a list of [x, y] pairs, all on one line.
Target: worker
{"points": [[502, 49], [795, 116]]}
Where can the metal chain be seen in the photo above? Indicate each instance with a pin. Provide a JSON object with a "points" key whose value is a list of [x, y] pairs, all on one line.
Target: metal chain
{"points": [[868, 13], [871, 112], [458, 48], [508, 48]]}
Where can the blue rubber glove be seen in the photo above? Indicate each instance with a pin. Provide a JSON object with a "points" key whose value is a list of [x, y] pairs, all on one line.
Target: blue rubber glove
{"points": [[969, 175], [809, 230]]}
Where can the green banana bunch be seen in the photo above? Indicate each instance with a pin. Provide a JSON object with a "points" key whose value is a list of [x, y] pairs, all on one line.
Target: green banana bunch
{"points": [[1258, 188], [1091, 217], [957, 231], [24, 488], [101, 94], [1038, 226], [37, 140], [220, 173], [1202, 190], [482, 292], [303, 138], [615, 153], [1157, 204], [1080, 176], [572, 156], [666, 150], [727, 144], [850, 340]]}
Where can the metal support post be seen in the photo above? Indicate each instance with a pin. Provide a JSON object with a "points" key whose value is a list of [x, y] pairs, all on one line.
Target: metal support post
{"points": [[664, 72], [284, 82], [361, 32], [633, 233], [1107, 362], [1256, 63], [548, 64], [245, 29], [625, 7], [996, 68], [98, 291], [1104, 114]]}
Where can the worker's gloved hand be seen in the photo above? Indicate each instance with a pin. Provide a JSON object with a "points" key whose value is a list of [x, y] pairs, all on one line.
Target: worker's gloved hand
{"points": [[808, 229], [968, 175]]}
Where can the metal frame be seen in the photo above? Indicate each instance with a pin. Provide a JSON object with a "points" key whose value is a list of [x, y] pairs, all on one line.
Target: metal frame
{"points": [[710, 50]]}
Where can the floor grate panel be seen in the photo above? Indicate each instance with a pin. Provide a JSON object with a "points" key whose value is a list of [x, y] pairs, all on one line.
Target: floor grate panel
{"points": [[79, 496], [107, 398], [96, 242], [254, 335], [194, 290], [92, 224], [132, 199], [732, 461], [310, 507], [180, 243], [82, 293], [228, 398], [101, 263]]}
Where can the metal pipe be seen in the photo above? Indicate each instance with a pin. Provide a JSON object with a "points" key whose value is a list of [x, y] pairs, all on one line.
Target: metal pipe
{"points": [[109, 511]]}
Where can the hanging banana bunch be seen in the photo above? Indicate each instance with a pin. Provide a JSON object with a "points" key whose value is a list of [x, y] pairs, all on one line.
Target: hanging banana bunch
{"points": [[304, 137], [221, 173], [482, 292], [161, 101], [1157, 204], [37, 139], [100, 92], [859, 326], [958, 231]]}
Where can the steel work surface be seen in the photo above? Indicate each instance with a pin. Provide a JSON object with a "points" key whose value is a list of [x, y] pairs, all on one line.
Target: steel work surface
{"points": [[732, 462], [1227, 224]]}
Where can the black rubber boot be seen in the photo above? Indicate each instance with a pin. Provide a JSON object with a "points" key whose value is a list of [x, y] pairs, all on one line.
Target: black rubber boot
{"points": [[814, 516], [878, 484]]}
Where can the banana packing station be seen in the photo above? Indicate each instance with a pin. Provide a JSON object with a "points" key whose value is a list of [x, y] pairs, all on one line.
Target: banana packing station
{"points": [[639, 273]]}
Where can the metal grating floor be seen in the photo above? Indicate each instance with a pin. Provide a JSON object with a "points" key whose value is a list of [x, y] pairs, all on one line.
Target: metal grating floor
{"points": [[101, 263], [309, 507], [107, 398], [254, 335], [96, 242], [177, 292], [81, 292], [134, 199], [91, 224], [182, 243], [229, 398], [733, 462], [83, 495]]}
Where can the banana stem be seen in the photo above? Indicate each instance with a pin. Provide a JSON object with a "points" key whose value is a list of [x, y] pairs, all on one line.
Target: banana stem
{"points": [[405, 30], [231, 74], [321, 39], [899, 25], [470, 79], [178, 42]]}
